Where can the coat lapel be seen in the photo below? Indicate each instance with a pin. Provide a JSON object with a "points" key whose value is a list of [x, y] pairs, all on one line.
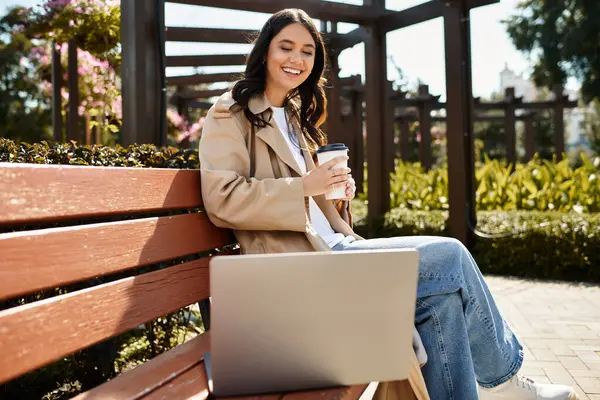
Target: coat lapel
{"points": [[272, 135]]}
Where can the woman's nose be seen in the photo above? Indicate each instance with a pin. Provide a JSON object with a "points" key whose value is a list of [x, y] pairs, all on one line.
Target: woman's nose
{"points": [[295, 58]]}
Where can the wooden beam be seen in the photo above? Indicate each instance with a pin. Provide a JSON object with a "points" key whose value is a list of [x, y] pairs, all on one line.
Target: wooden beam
{"points": [[209, 35], [334, 41], [478, 118], [480, 3], [203, 78], [324, 10], [421, 13], [346, 40], [411, 16], [211, 60], [491, 106], [198, 94]]}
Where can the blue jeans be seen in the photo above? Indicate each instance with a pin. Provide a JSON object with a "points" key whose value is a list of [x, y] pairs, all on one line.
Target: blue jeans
{"points": [[466, 339]]}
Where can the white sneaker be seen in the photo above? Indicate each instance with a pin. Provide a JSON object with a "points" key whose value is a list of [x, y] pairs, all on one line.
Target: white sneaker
{"points": [[522, 388]]}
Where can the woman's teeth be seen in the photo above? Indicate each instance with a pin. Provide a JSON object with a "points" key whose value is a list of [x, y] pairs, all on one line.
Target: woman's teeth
{"points": [[292, 71]]}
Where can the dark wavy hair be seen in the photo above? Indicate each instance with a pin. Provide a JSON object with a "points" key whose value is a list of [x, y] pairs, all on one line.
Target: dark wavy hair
{"points": [[313, 103]]}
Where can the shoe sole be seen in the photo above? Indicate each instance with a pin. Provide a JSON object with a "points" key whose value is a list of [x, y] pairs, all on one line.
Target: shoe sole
{"points": [[573, 396]]}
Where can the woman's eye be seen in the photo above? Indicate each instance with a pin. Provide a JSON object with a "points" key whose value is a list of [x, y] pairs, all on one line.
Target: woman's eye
{"points": [[284, 49], [308, 53]]}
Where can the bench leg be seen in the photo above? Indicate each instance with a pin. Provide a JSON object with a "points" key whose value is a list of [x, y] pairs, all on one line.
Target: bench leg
{"points": [[204, 307]]}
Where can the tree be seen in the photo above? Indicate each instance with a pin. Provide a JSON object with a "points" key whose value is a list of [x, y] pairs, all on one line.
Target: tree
{"points": [[563, 38], [24, 108]]}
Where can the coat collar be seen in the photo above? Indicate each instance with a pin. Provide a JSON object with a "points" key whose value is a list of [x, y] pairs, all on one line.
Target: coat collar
{"points": [[273, 136], [259, 103]]}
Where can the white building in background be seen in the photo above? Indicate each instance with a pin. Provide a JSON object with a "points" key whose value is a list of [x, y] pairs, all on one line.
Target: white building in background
{"points": [[574, 132], [523, 86]]}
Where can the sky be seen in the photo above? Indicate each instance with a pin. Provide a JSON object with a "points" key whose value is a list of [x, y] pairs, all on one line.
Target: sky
{"points": [[418, 50]]}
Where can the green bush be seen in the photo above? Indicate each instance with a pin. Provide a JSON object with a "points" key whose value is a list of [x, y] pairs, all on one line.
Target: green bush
{"points": [[539, 185], [541, 245], [143, 156]]}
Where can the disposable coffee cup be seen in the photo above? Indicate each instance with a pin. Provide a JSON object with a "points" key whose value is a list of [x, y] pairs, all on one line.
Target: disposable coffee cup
{"points": [[328, 152]]}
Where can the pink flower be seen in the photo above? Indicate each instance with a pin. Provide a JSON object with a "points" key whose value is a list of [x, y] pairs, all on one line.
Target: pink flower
{"points": [[174, 118]]}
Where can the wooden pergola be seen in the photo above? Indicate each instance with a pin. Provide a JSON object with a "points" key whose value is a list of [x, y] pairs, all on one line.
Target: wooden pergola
{"points": [[424, 103], [144, 83]]}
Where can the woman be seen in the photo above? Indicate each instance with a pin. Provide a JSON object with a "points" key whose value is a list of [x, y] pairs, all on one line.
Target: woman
{"points": [[259, 179]]}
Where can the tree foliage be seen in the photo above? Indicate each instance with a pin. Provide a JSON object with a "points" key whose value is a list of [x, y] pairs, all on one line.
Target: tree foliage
{"points": [[24, 108], [563, 38]]}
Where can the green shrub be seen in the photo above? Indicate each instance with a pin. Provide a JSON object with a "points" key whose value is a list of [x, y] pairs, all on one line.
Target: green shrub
{"points": [[539, 185], [144, 155], [541, 245]]}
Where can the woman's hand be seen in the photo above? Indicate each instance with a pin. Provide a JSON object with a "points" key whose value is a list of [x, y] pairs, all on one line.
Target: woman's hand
{"points": [[350, 188], [324, 178]]}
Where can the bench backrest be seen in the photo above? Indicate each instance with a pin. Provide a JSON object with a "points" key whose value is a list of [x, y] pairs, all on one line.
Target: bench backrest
{"points": [[60, 225]]}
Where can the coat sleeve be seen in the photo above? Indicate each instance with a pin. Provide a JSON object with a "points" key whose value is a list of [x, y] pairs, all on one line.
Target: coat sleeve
{"points": [[230, 198]]}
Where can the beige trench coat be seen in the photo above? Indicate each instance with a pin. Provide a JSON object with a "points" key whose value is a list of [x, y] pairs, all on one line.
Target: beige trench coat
{"points": [[267, 212]]}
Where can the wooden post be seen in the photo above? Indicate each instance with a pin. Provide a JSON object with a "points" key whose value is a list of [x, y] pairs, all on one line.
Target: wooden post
{"points": [[87, 128], [334, 133], [404, 129], [73, 83], [459, 120], [510, 133], [376, 76], [425, 127], [357, 110], [529, 142], [141, 23], [389, 153], [57, 80], [97, 132], [559, 121]]}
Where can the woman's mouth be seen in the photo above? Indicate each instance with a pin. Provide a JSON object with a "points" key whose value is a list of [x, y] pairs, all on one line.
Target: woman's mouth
{"points": [[292, 72]]}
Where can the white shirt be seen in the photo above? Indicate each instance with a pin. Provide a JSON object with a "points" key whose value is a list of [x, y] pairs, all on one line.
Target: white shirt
{"points": [[318, 219]]}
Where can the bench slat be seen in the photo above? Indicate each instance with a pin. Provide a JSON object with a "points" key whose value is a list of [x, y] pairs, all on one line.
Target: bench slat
{"points": [[342, 393], [49, 258], [38, 333], [30, 192], [190, 385], [153, 374]]}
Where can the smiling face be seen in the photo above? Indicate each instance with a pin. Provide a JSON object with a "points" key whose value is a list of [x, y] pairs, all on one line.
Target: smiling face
{"points": [[290, 58]]}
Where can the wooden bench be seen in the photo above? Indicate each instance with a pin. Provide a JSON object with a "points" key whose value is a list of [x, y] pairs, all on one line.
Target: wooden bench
{"points": [[44, 244]]}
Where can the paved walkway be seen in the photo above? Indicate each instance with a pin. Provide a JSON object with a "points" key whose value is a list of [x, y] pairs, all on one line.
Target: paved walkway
{"points": [[559, 325]]}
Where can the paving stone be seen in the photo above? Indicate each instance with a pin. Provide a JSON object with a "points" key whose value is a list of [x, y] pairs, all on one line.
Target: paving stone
{"points": [[559, 326]]}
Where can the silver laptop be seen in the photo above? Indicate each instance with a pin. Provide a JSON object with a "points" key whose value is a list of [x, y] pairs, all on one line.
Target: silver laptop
{"points": [[283, 322]]}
